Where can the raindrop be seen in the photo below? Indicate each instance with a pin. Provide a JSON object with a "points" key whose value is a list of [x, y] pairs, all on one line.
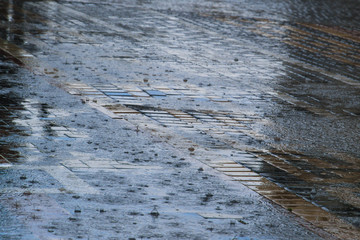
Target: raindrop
{"points": [[77, 209], [154, 212]]}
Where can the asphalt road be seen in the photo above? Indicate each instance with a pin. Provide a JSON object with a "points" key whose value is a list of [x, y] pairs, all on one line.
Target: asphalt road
{"points": [[179, 119]]}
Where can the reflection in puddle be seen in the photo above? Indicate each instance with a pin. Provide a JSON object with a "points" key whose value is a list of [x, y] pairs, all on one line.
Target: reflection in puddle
{"points": [[10, 110], [20, 118]]}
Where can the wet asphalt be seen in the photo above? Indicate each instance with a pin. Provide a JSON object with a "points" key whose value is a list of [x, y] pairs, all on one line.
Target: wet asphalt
{"points": [[179, 119]]}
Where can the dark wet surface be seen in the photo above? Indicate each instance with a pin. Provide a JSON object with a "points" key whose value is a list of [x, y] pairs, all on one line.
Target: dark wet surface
{"points": [[272, 86]]}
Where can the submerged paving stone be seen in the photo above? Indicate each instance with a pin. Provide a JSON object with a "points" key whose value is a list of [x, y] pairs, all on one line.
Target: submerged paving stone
{"points": [[155, 93]]}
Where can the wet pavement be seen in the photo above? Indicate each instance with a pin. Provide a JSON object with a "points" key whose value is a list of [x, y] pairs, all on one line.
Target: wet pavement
{"points": [[179, 119]]}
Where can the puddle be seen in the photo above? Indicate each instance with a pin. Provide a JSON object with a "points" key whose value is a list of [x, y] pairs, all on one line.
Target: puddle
{"points": [[11, 109], [11, 228], [22, 119]]}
